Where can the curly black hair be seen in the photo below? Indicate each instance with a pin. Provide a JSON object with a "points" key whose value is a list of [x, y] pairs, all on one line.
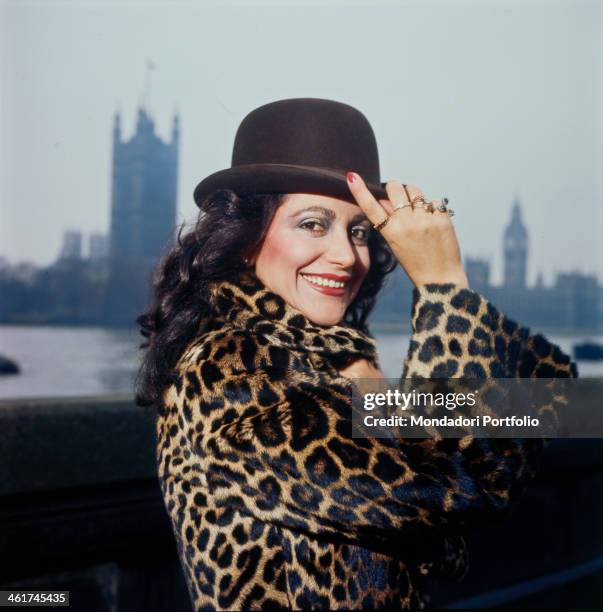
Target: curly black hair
{"points": [[229, 228]]}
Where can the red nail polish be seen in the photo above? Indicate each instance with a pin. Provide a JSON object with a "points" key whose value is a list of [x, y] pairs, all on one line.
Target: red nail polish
{"points": [[351, 177]]}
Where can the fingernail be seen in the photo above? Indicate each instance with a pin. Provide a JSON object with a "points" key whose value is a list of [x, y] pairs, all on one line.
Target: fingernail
{"points": [[351, 177]]}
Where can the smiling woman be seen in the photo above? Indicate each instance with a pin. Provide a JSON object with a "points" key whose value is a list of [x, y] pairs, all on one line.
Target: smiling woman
{"points": [[316, 249], [258, 327]]}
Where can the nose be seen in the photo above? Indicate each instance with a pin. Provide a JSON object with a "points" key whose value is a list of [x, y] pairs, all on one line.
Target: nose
{"points": [[341, 251]]}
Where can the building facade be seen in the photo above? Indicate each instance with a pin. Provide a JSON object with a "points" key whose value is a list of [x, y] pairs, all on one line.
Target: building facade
{"points": [[71, 249], [143, 214], [144, 190]]}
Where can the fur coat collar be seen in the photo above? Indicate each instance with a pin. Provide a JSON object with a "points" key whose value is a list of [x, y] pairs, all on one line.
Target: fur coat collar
{"points": [[249, 305]]}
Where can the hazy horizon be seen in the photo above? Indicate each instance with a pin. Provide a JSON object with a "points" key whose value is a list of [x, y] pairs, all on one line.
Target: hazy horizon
{"points": [[482, 103]]}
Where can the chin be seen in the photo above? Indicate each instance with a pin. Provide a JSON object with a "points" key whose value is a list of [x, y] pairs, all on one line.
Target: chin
{"points": [[325, 320]]}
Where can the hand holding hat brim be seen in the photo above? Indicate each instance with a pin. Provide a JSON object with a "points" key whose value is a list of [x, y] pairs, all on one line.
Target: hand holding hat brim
{"points": [[421, 237]]}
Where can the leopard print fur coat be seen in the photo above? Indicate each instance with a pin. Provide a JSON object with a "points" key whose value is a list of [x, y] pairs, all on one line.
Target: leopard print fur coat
{"points": [[275, 505]]}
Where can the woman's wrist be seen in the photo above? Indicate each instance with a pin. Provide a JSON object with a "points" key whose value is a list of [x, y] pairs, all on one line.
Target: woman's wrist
{"points": [[457, 279], [460, 280]]}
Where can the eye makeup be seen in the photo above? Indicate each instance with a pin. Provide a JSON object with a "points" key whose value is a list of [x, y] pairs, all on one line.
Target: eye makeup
{"points": [[329, 214]]}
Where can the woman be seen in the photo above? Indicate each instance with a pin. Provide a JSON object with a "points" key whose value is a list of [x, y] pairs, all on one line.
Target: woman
{"points": [[258, 327]]}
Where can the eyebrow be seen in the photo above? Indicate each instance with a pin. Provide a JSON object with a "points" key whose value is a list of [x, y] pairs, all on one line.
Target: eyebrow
{"points": [[329, 213]]}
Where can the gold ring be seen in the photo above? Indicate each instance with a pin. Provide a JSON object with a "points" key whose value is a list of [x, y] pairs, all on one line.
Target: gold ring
{"points": [[400, 206], [418, 198], [382, 224]]}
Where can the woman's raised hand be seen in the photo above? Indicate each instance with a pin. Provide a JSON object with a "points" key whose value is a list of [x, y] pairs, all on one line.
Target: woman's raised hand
{"points": [[423, 242]]}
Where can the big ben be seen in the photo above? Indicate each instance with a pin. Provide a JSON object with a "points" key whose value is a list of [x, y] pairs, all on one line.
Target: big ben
{"points": [[515, 251]]}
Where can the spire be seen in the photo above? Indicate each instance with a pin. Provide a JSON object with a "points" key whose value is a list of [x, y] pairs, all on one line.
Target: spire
{"points": [[116, 127], [516, 225], [176, 128], [146, 96]]}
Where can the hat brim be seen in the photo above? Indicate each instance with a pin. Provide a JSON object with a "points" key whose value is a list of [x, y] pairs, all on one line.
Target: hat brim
{"points": [[282, 178]]}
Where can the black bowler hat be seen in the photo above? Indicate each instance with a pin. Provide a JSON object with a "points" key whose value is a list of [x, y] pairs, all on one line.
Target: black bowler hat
{"points": [[300, 145]]}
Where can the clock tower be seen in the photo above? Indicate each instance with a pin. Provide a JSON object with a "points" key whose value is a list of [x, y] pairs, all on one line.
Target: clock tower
{"points": [[515, 251]]}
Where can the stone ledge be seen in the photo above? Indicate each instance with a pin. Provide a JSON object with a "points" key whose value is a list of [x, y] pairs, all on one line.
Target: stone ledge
{"points": [[60, 443]]}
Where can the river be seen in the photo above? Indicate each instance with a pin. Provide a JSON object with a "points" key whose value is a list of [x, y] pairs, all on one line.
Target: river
{"points": [[72, 361]]}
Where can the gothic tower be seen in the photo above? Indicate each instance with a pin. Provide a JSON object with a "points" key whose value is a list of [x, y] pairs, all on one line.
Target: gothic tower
{"points": [[143, 212], [515, 251], [143, 196]]}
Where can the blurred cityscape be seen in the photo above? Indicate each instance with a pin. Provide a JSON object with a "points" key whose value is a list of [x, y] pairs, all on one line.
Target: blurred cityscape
{"points": [[573, 303], [108, 282]]}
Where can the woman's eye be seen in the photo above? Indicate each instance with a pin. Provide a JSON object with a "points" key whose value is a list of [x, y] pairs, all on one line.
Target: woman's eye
{"points": [[312, 225], [361, 233]]}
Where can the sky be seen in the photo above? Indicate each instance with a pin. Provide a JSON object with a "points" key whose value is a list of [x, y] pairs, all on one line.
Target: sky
{"points": [[481, 102]]}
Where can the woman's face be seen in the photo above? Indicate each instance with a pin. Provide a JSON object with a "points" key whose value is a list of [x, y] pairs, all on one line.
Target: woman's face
{"points": [[315, 255]]}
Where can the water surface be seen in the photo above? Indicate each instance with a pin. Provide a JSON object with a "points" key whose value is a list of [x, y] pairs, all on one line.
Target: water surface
{"points": [[69, 361]]}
